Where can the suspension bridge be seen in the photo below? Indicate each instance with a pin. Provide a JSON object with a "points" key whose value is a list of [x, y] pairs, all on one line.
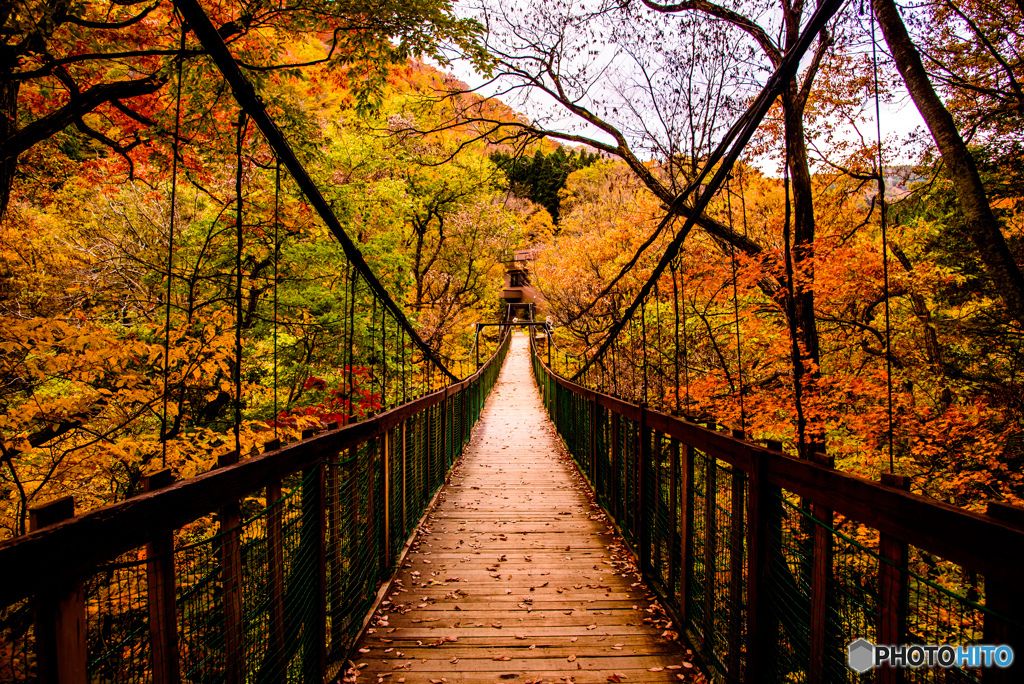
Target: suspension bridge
{"points": [[511, 523]]}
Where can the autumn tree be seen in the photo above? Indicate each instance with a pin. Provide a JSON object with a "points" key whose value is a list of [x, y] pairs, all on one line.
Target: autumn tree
{"points": [[984, 82], [541, 177], [100, 67]]}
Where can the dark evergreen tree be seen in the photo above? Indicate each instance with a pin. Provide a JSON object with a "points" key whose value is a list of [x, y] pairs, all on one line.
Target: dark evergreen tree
{"points": [[542, 176]]}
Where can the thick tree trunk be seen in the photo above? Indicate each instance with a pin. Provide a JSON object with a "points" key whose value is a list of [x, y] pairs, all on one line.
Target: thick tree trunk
{"points": [[803, 223], [8, 127], [982, 226], [807, 360]]}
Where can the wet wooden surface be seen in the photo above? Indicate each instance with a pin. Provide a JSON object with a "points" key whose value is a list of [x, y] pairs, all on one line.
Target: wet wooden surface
{"points": [[516, 576]]}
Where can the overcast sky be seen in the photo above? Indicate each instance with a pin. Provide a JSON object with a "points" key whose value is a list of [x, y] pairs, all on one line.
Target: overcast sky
{"points": [[899, 119]]}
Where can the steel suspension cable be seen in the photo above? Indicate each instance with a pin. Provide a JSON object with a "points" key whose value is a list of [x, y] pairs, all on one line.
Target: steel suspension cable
{"points": [[885, 242], [277, 257], [727, 153], [801, 425], [243, 125], [661, 346], [252, 104], [643, 342], [674, 267], [170, 246], [353, 275], [736, 310]]}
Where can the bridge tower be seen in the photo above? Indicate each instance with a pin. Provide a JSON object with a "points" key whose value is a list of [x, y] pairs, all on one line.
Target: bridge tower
{"points": [[518, 293]]}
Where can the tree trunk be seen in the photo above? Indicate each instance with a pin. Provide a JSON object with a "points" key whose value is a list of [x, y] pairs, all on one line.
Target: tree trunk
{"points": [[8, 127], [982, 226], [803, 254]]}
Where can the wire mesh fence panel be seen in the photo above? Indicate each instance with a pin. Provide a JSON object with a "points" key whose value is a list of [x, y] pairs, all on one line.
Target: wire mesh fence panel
{"points": [[663, 529], [697, 574], [117, 621], [696, 504], [629, 472], [396, 490], [200, 617], [603, 464], [789, 594], [17, 641]]}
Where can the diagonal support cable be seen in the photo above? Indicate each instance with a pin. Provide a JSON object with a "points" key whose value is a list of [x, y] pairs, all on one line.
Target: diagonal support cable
{"points": [[735, 141], [251, 103]]}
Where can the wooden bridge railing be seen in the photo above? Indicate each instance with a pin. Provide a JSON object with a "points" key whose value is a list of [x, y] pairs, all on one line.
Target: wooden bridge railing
{"points": [[261, 570], [773, 565]]}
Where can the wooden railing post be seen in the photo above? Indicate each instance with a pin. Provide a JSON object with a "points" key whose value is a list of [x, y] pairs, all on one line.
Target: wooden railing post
{"points": [[555, 413], [231, 577], [643, 487], [312, 541], [710, 546], [335, 555], [823, 645], [59, 613], [615, 491], [893, 588], [763, 535], [275, 659], [593, 443], [1005, 601], [736, 569], [160, 592], [444, 435]]}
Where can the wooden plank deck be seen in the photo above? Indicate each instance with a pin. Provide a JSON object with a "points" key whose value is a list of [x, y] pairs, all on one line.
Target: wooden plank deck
{"points": [[516, 576]]}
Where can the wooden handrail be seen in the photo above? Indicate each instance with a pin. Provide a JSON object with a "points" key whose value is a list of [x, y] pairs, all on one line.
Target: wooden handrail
{"points": [[983, 543], [71, 547]]}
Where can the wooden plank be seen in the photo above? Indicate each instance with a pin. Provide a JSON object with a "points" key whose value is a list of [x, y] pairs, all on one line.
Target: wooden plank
{"points": [[515, 556]]}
